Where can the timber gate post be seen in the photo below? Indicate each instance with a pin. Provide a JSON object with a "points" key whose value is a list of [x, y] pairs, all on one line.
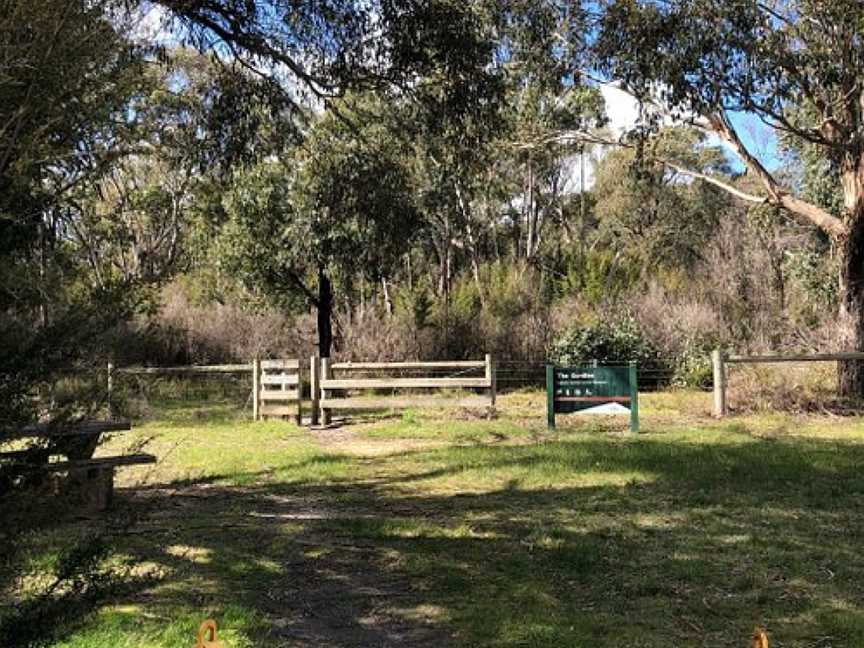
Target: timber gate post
{"points": [[256, 389], [325, 376], [719, 370], [315, 386]]}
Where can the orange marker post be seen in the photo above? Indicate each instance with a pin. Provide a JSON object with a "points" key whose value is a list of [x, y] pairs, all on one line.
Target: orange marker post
{"points": [[207, 628]]}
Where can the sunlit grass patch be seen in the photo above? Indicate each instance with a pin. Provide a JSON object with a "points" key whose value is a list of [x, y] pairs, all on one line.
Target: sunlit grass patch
{"points": [[136, 627], [236, 452], [449, 427]]}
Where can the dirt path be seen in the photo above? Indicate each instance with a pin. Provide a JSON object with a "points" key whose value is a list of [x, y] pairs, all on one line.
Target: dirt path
{"points": [[324, 589], [345, 601], [349, 439]]}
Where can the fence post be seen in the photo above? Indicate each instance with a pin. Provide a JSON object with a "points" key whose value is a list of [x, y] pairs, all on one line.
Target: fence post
{"points": [[256, 389], [299, 393], [719, 383], [314, 385], [491, 379], [325, 375], [110, 390]]}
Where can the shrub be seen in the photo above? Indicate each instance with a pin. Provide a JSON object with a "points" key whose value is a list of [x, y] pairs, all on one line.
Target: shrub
{"points": [[596, 276], [183, 332], [609, 340], [692, 364]]}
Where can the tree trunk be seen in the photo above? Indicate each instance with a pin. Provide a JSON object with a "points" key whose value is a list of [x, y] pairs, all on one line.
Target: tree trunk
{"points": [[531, 215], [851, 373], [325, 314], [388, 301]]}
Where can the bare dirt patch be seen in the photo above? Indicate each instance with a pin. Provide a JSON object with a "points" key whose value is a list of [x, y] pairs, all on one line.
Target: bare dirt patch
{"points": [[274, 551]]}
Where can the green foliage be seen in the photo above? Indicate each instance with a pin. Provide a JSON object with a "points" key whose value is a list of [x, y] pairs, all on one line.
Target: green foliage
{"points": [[815, 273], [692, 364], [341, 202], [72, 581], [72, 131], [597, 275], [417, 304], [651, 212], [616, 339]]}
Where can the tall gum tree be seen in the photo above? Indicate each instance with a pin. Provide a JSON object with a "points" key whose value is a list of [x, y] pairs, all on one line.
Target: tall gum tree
{"points": [[704, 60], [340, 205]]}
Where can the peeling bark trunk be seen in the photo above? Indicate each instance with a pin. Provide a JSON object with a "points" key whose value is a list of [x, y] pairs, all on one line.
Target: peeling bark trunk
{"points": [[851, 373], [531, 215], [475, 262], [388, 302]]}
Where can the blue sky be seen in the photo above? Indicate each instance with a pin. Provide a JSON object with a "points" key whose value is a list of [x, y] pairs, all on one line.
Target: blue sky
{"points": [[759, 139]]}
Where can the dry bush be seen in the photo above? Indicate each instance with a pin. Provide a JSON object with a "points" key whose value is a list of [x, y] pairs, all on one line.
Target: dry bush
{"points": [[185, 333], [507, 317], [373, 336], [741, 297], [788, 387], [516, 320], [832, 334], [738, 281], [672, 320]]}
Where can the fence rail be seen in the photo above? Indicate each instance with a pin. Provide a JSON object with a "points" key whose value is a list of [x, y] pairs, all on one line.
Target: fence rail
{"points": [[328, 384], [191, 369], [719, 360], [456, 364], [773, 358]]}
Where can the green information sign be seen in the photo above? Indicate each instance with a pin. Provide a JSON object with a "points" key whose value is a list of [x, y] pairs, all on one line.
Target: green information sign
{"points": [[592, 390]]}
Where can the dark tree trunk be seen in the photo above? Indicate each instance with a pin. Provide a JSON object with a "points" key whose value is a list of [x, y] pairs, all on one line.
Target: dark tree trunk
{"points": [[851, 373], [325, 314]]}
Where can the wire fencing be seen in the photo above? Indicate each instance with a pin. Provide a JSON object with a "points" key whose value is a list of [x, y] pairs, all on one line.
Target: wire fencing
{"points": [[138, 389]]}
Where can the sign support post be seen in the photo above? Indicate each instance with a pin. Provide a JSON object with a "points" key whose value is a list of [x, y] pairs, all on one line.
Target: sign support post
{"points": [[634, 398], [550, 396]]}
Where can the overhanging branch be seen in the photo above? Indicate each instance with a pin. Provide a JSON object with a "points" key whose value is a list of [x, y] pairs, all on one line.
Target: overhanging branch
{"points": [[777, 195], [743, 195]]}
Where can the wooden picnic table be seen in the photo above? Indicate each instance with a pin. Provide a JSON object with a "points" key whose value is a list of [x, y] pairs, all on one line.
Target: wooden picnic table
{"points": [[74, 440], [92, 478], [77, 428]]}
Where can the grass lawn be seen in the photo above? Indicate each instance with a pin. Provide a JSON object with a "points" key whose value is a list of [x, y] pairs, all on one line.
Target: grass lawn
{"points": [[435, 529]]}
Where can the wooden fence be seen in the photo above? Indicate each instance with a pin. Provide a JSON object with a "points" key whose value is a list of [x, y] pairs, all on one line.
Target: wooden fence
{"points": [[382, 378], [719, 360], [188, 370], [278, 386]]}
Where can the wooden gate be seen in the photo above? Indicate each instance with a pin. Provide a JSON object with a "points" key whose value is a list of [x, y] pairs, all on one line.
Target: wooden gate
{"points": [[277, 389]]}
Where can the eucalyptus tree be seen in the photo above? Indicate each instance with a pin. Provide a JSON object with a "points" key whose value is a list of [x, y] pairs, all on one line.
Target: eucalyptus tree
{"points": [[338, 206], [542, 152], [67, 73], [797, 65], [315, 51], [650, 213]]}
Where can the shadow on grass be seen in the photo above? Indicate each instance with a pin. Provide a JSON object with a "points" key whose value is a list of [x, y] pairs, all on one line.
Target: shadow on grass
{"points": [[692, 545], [52, 576]]}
